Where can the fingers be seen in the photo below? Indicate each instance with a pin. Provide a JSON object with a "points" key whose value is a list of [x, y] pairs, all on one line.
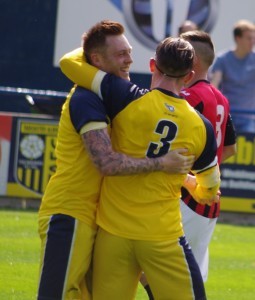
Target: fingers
{"points": [[188, 163], [181, 150], [186, 168], [190, 159], [176, 162], [190, 182], [209, 202], [187, 159]]}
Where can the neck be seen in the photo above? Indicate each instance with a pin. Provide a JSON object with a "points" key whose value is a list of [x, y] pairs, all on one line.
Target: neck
{"points": [[240, 53], [199, 75], [168, 84]]}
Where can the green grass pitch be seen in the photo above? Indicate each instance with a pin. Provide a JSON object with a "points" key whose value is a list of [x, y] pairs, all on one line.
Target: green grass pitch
{"points": [[232, 259]]}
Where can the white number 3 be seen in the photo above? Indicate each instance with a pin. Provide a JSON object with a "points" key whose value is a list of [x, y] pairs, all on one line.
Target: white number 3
{"points": [[219, 120]]}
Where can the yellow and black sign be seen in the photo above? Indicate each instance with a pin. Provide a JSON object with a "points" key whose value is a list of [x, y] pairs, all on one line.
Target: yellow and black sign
{"points": [[33, 157], [238, 177], [32, 161]]}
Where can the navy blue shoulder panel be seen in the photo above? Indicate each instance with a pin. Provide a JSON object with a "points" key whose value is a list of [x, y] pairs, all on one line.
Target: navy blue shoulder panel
{"points": [[118, 93], [86, 106]]}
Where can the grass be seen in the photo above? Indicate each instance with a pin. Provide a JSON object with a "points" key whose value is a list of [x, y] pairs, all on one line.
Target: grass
{"points": [[232, 259], [232, 263], [19, 255]]}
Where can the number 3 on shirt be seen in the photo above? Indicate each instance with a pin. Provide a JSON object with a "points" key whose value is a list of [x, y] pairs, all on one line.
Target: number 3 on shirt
{"points": [[167, 132], [220, 119]]}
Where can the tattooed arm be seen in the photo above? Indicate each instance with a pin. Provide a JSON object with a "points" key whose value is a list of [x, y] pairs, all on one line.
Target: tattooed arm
{"points": [[109, 162]]}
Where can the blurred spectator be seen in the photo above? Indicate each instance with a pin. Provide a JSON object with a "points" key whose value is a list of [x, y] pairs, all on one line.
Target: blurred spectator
{"points": [[233, 72], [187, 25]]}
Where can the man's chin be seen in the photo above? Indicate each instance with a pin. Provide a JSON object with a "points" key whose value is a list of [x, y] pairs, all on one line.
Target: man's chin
{"points": [[126, 77]]}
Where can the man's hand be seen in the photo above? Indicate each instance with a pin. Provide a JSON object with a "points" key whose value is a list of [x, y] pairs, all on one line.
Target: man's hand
{"points": [[177, 161], [210, 201], [190, 184]]}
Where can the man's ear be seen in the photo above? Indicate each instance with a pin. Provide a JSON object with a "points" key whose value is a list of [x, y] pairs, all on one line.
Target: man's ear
{"points": [[152, 64], [189, 77], [95, 60]]}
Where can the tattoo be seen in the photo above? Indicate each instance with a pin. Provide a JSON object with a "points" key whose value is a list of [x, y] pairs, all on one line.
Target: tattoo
{"points": [[109, 162]]}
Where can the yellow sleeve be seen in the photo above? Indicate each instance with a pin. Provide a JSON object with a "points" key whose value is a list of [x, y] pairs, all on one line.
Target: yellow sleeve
{"points": [[208, 183], [93, 126], [74, 66]]}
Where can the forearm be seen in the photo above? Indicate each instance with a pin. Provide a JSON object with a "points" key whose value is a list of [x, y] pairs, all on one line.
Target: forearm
{"points": [[120, 164], [228, 151], [207, 186], [74, 66], [111, 163], [205, 193]]}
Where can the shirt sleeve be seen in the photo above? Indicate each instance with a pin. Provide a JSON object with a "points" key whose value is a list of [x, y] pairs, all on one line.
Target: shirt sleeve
{"points": [[230, 136], [117, 93], [75, 67], [86, 107]]}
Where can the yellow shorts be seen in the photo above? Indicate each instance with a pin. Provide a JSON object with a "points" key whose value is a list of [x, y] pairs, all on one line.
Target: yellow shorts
{"points": [[66, 252], [169, 265]]}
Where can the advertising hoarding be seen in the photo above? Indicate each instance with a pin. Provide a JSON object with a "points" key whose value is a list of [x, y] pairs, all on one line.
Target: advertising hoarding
{"points": [[31, 160], [238, 177]]}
